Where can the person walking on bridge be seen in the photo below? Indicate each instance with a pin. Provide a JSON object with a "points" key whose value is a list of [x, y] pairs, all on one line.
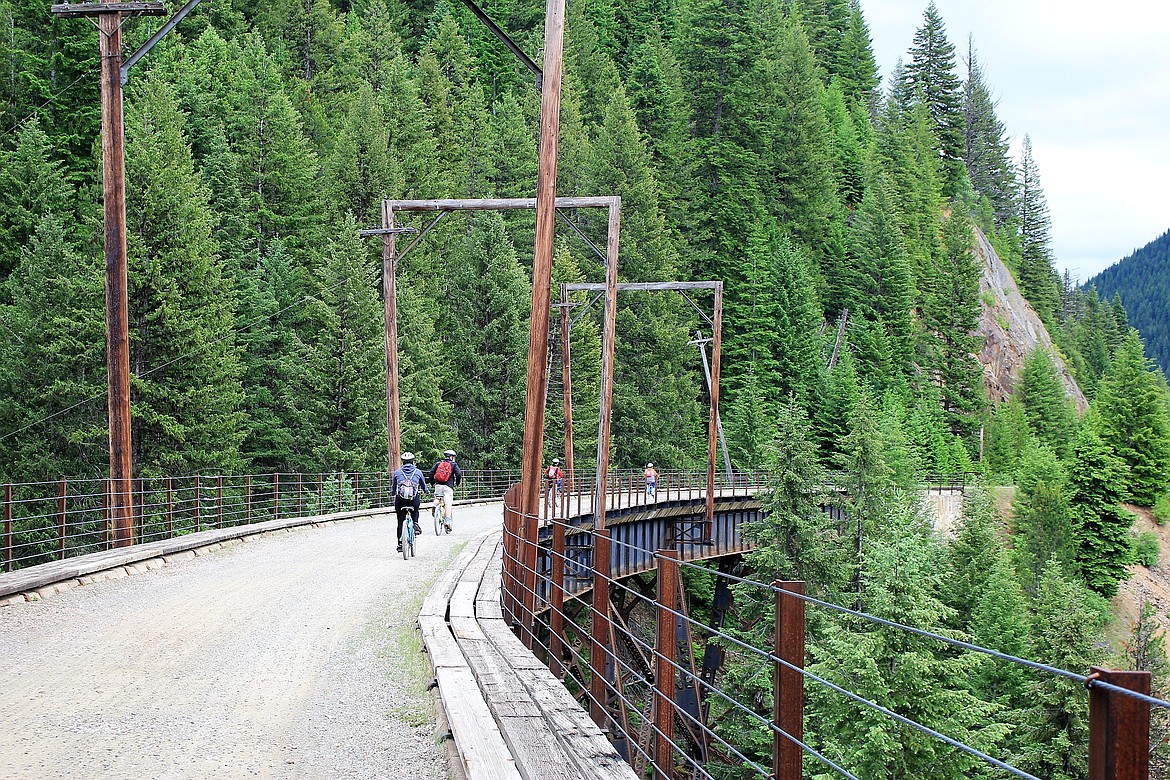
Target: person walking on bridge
{"points": [[408, 486], [446, 476], [651, 477]]}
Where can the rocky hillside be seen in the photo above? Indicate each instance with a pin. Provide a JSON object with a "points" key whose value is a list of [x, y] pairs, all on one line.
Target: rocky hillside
{"points": [[1010, 329]]}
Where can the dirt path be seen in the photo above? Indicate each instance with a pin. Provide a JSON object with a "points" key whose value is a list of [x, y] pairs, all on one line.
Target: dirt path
{"points": [[289, 656]]}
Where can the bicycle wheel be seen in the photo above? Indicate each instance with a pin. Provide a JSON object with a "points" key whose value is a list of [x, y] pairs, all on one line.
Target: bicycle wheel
{"points": [[437, 513], [407, 540], [410, 536]]}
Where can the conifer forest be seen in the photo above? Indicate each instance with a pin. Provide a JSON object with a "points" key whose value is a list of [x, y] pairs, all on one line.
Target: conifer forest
{"points": [[752, 142]]}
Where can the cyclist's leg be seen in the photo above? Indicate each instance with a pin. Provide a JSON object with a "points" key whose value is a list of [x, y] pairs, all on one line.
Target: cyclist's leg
{"points": [[400, 512], [446, 495]]}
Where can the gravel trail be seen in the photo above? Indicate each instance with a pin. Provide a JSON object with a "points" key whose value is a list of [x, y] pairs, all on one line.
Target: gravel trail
{"points": [[290, 656]]}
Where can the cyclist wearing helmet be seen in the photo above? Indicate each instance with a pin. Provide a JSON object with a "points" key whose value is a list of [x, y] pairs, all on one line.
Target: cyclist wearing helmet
{"points": [[408, 485], [446, 476], [555, 476]]}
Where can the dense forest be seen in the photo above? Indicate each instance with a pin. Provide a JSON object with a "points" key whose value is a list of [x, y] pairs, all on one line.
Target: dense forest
{"points": [[1142, 282], [750, 142]]}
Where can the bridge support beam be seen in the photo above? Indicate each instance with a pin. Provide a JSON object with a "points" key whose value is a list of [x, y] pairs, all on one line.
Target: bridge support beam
{"points": [[1119, 727], [599, 645], [665, 659], [788, 683]]}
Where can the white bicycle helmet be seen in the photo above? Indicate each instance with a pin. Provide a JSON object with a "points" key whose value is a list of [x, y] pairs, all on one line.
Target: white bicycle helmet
{"points": [[408, 457]]}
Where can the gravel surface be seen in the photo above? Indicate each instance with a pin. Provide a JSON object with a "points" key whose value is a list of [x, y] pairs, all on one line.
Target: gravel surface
{"points": [[293, 655]]}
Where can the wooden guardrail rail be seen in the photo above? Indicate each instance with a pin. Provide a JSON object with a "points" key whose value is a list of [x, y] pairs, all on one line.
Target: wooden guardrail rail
{"points": [[509, 716]]}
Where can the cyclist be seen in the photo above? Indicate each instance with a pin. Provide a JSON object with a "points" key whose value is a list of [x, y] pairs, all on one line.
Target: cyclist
{"points": [[555, 476], [446, 476], [407, 485]]}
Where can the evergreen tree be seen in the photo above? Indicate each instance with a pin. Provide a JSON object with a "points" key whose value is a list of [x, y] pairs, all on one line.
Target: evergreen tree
{"points": [[931, 77], [1050, 416], [186, 391], [859, 73], [1095, 484], [32, 185], [1037, 278], [1132, 419], [347, 408], [1043, 528], [988, 154], [1005, 435]]}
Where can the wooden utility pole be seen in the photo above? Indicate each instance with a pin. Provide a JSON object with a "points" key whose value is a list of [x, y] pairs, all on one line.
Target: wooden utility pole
{"points": [[390, 329], [546, 192], [109, 24]]}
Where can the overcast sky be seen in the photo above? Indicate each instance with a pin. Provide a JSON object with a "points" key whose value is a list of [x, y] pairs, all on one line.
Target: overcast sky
{"points": [[1090, 84]]}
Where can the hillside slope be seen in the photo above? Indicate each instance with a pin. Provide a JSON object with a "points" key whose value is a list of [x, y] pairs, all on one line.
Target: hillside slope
{"points": [[1143, 282], [1010, 328]]}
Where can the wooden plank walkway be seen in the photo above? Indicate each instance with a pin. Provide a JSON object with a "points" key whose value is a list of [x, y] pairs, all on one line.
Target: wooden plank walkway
{"points": [[509, 716]]}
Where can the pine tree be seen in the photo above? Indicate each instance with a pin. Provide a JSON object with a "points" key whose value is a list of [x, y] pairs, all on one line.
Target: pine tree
{"points": [[32, 185], [1005, 436], [932, 79], [1043, 528], [52, 361], [1096, 479], [1132, 419], [1050, 416], [859, 74], [1037, 277], [186, 391], [988, 154]]}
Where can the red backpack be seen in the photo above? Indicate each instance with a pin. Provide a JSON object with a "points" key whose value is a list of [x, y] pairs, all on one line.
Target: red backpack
{"points": [[443, 471]]}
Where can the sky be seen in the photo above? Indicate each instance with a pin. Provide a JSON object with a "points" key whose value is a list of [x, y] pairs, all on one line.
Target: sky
{"points": [[1089, 83]]}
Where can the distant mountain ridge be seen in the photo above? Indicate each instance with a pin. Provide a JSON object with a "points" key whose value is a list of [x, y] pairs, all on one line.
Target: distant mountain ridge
{"points": [[1143, 281]]}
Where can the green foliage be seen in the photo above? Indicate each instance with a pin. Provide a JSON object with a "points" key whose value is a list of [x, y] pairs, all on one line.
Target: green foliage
{"points": [[1146, 549], [1132, 418], [1049, 414], [1095, 484], [1162, 509]]}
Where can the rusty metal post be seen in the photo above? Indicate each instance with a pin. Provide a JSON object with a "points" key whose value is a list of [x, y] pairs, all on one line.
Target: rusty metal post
{"points": [[546, 216], [787, 683], [170, 509], [300, 497], [276, 496], [340, 490], [219, 501], [379, 489], [248, 498], [665, 657], [61, 518], [390, 327], [528, 549], [557, 601], [320, 493], [357, 479], [198, 505], [8, 527], [599, 632], [1119, 727]]}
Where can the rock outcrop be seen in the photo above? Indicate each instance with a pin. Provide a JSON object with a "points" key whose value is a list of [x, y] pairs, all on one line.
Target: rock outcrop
{"points": [[1010, 328]]}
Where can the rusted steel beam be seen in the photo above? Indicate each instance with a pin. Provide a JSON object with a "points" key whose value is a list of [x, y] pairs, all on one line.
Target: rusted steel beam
{"points": [[1119, 727], [545, 205], [665, 657], [198, 506], [276, 496], [170, 509], [500, 204], [599, 647], [219, 502], [787, 683]]}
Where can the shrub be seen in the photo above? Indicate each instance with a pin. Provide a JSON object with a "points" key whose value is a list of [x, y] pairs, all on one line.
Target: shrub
{"points": [[1146, 549], [1162, 509]]}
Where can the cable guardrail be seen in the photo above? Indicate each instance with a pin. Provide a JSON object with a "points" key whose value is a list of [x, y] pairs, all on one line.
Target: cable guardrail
{"points": [[53, 520], [537, 587]]}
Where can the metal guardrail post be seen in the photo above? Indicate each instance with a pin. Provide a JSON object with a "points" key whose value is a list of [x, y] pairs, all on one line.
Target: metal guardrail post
{"points": [[599, 649], [320, 494], [247, 498], [1119, 727], [198, 506], [61, 518], [170, 509], [300, 497], [787, 683], [557, 601], [8, 527], [276, 496], [665, 657], [219, 501]]}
